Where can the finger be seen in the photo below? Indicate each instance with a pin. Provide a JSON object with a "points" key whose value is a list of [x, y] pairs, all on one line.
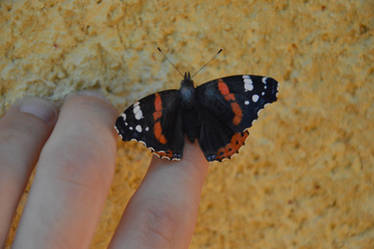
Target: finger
{"points": [[162, 213], [72, 178], [23, 132]]}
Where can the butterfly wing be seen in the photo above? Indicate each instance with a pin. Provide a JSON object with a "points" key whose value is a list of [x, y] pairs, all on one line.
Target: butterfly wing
{"points": [[156, 122], [217, 140], [233, 103]]}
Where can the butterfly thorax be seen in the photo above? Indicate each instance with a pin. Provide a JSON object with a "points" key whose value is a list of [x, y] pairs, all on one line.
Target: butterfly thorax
{"points": [[187, 92]]}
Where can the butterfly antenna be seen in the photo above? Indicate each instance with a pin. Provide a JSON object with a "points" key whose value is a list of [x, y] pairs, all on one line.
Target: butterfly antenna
{"points": [[201, 68], [159, 49]]}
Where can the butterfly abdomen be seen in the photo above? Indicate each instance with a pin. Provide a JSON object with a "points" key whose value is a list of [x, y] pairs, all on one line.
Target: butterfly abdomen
{"points": [[191, 123]]}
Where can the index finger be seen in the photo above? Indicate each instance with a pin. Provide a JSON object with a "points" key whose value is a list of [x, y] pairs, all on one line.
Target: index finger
{"points": [[72, 177], [163, 211]]}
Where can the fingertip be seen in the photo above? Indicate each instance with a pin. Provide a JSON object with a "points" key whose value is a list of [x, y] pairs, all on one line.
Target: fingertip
{"points": [[193, 152], [91, 93], [24, 130], [39, 108], [192, 155], [94, 104]]}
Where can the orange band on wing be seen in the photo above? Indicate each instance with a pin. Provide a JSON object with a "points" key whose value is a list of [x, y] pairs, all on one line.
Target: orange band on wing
{"points": [[238, 113], [231, 148], [158, 107], [222, 87], [224, 90], [157, 129], [157, 115], [235, 107], [158, 102]]}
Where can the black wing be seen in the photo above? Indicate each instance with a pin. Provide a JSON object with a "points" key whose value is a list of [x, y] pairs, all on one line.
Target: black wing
{"points": [[233, 103], [156, 122]]}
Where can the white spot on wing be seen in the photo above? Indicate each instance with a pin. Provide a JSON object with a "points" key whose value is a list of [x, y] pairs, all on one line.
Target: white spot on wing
{"points": [[264, 80], [147, 128], [246, 102], [255, 98], [245, 76], [138, 128], [123, 116], [137, 111], [130, 128], [248, 84]]}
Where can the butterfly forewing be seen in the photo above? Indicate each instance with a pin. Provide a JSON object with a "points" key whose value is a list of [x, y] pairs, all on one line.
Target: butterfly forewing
{"points": [[236, 100], [152, 121]]}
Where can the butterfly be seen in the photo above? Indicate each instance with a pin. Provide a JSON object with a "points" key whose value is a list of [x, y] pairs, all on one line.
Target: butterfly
{"points": [[216, 113]]}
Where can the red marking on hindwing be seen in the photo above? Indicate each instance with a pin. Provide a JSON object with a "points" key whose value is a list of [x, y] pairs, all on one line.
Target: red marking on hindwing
{"points": [[235, 107], [233, 147], [168, 154]]}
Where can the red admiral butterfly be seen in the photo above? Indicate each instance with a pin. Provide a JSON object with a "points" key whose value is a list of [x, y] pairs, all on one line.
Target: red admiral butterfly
{"points": [[216, 113]]}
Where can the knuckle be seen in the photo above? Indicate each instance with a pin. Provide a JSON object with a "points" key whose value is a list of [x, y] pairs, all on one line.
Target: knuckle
{"points": [[161, 221], [14, 145], [22, 130], [11, 172], [17, 130], [81, 164]]}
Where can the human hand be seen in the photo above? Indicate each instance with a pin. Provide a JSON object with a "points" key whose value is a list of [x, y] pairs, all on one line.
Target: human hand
{"points": [[74, 152]]}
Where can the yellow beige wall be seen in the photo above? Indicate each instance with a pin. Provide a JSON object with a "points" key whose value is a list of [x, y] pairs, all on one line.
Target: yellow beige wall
{"points": [[305, 178]]}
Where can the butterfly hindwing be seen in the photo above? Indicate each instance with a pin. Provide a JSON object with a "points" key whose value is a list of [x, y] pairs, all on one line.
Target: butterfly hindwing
{"points": [[156, 122], [233, 102], [217, 140]]}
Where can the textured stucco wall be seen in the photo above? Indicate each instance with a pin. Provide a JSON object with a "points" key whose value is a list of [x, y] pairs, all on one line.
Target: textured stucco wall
{"points": [[305, 178]]}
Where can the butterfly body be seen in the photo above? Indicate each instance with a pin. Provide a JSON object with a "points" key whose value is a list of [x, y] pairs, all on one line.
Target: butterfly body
{"points": [[216, 114], [189, 108]]}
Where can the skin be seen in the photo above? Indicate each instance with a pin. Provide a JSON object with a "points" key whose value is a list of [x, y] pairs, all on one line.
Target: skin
{"points": [[74, 150]]}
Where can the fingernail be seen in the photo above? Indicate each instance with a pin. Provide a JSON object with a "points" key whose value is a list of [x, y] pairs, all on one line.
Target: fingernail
{"points": [[39, 108]]}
